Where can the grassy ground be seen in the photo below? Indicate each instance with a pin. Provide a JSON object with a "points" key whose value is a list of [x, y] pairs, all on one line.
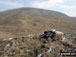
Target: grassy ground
{"points": [[31, 47]]}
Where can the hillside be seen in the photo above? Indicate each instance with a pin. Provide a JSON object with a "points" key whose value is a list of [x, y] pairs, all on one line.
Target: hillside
{"points": [[21, 21]]}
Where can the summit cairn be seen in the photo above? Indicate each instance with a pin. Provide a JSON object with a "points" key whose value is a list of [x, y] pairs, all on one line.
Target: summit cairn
{"points": [[53, 34]]}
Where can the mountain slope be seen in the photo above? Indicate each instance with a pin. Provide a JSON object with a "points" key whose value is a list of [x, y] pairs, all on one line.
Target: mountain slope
{"points": [[32, 20]]}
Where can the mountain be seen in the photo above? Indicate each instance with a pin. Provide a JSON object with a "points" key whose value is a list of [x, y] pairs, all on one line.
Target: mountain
{"points": [[21, 30], [21, 21]]}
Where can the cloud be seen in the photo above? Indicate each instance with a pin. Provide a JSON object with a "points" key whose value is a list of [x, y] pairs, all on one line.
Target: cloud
{"points": [[71, 13], [13, 4], [21, 0], [67, 6], [47, 3]]}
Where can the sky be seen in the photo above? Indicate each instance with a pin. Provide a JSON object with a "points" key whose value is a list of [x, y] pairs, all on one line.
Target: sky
{"points": [[65, 6]]}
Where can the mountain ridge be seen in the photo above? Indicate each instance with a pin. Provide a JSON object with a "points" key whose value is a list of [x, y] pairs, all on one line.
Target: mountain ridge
{"points": [[32, 9]]}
